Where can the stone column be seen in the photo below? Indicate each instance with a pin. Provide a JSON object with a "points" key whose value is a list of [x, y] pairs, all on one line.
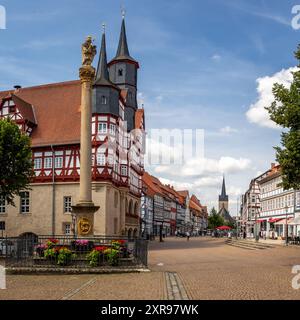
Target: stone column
{"points": [[87, 75], [85, 209]]}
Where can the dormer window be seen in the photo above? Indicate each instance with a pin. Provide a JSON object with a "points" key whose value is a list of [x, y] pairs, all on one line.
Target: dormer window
{"points": [[120, 72], [103, 100], [12, 109]]}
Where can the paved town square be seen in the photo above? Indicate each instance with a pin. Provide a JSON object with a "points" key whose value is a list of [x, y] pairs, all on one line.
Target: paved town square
{"points": [[149, 150], [204, 268]]}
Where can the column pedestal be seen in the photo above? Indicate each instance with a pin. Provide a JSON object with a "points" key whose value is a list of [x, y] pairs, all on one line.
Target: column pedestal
{"points": [[84, 213]]}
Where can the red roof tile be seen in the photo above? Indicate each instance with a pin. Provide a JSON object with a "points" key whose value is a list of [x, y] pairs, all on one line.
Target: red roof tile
{"points": [[57, 112], [25, 108]]}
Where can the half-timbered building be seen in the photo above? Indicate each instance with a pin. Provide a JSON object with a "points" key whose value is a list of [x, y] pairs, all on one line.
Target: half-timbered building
{"points": [[50, 115]]}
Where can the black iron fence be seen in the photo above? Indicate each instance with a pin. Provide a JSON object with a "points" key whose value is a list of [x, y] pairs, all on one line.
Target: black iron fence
{"points": [[69, 251]]}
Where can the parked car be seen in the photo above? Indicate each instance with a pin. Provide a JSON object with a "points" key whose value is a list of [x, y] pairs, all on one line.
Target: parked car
{"points": [[7, 247]]}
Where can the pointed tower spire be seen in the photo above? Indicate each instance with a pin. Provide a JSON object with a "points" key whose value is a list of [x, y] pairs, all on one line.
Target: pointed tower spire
{"points": [[223, 193], [123, 51], [223, 196], [102, 76]]}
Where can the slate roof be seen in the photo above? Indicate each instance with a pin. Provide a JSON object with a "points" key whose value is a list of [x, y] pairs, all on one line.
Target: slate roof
{"points": [[225, 215]]}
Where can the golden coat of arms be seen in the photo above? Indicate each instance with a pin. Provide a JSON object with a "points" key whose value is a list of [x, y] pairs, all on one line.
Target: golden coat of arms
{"points": [[84, 226]]}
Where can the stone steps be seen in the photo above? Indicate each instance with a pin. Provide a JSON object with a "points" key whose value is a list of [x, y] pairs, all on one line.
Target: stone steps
{"points": [[245, 244]]}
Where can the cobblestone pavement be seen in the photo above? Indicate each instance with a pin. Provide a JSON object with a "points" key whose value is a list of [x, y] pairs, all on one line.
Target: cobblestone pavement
{"points": [[202, 268], [210, 269]]}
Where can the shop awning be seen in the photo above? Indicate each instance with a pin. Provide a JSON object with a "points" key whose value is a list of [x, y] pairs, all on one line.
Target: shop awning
{"points": [[260, 220], [274, 219], [282, 221], [295, 221]]}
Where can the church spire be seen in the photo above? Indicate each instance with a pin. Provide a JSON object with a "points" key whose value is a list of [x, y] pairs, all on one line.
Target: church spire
{"points": [[223, 196], [102, 76], [123, 51]]}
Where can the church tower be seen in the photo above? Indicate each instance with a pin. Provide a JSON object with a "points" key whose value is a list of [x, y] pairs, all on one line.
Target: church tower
{"points": [[105, 93], [123, 73], [223, 197]]}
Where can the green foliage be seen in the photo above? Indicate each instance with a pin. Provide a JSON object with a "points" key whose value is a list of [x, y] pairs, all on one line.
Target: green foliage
{"points": [[64, 256], [93, 258], [285, 111], [112, 256], [16, 166], [213, 211], [215, 220], [50, 253]]}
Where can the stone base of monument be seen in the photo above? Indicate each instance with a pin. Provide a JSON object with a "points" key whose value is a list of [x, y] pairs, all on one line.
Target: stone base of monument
{"points": [[84, 216]]}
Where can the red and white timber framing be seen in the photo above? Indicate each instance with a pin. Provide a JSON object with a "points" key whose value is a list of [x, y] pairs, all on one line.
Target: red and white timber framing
{"points": [[116, 154]]}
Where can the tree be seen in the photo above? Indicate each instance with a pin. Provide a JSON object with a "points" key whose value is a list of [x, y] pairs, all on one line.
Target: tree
{"points": [[214, 219], [285, 111], [16, 167]]}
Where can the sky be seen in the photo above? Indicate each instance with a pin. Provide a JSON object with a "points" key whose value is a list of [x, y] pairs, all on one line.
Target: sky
{"points": [[206, 64]]}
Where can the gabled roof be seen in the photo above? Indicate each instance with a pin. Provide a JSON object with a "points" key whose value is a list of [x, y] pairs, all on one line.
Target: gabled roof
{"points": [[25, 108], [225, 214], [56, 111], [194, 206], [270, 174], [152, 185], [195, 199], [184, 193]]}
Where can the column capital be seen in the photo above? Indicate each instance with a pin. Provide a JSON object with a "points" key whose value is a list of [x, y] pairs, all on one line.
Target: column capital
{"points": [[87, 74]]}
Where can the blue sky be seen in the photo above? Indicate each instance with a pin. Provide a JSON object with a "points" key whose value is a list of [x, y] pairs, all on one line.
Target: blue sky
{"points": [[200, 61]]}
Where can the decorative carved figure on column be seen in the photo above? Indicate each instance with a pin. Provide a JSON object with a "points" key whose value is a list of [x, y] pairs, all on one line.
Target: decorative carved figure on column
{"points": [[89, 52]]}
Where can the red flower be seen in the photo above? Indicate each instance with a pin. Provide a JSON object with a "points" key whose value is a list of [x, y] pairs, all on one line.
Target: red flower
{"points": [[100, 248], [121, 242], [53, 240]]}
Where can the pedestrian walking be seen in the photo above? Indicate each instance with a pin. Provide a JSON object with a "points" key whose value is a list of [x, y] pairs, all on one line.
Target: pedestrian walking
{"points": [[187, 236]]}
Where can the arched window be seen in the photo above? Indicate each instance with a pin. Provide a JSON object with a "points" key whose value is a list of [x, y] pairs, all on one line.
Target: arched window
{"points": [[103, 100], [120, 72]]}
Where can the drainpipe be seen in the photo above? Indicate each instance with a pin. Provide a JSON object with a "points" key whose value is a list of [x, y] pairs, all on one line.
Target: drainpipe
{"points": [[53, 191]]}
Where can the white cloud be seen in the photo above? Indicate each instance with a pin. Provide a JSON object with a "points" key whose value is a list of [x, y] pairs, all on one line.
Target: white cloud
{"points": [[216, 57], [199, 167], [228, 130], [257, 112]]}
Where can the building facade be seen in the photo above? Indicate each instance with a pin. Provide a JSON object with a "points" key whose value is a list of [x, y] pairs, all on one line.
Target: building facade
{"points": [[269, 211], [250, 209], [50, 115], [170, 209]]}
